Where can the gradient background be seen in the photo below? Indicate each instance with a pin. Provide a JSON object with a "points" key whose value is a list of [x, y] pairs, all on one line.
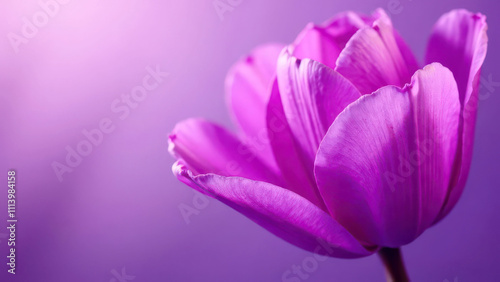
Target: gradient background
{"points": [[120, 207]]}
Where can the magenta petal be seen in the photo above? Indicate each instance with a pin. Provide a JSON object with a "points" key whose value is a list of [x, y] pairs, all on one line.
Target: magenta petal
{"points": [[316, 44], [324, 43], [384, 166], [344, 25], [247, 88], [282, 212], [459, 42], [295, 165], [312, 96], [376, 56], [208, 148]]}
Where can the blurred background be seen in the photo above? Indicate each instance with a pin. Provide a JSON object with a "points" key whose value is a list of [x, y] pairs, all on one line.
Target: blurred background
{"points": [[68, 68]]}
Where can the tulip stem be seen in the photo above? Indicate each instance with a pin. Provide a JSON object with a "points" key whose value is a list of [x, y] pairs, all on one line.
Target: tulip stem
{"points": [[394, 266]]}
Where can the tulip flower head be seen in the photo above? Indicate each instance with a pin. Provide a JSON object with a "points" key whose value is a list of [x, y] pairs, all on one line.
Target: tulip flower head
{"points": [[343, 138]]}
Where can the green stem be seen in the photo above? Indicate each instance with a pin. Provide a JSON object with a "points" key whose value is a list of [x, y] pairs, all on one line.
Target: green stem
{"points": [[394, 266]]}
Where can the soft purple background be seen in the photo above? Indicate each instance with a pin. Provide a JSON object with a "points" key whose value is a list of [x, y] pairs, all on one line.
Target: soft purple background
{"points": [[120, 207]]}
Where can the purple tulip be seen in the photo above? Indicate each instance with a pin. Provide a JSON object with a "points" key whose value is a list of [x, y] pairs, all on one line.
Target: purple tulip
{"points": [[345, 146]]}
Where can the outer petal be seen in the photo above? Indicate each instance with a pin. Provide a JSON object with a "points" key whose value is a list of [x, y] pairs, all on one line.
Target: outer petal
{"points": [[282, 212], [384, 166], [376, 56], [247, 89], [459, 42], [208, 148]]}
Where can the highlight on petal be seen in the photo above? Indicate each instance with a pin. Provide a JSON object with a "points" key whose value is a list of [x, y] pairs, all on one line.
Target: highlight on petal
{"points": [[282, 212], [247, 90], [384, 166], [376, 56], [459, 42], [208, 148]]}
